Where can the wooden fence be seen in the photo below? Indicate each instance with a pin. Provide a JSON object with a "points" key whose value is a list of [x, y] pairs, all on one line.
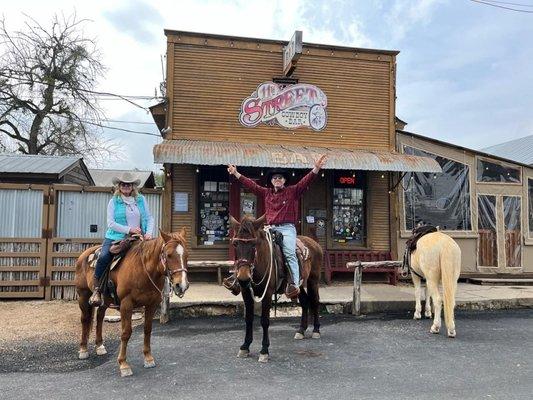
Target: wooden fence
{"points": [[43, 266]]}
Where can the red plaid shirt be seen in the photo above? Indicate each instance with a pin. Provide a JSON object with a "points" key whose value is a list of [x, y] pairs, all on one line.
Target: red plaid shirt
{"points": [[282, 206]]}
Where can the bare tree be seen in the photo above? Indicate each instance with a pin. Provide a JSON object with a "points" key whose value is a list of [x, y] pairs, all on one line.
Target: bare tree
{"points": [[47, 99]]}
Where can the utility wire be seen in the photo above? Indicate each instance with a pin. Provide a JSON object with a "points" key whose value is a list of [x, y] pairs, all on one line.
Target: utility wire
{"points": [[507, 3], [504, 7], [112, 127]]}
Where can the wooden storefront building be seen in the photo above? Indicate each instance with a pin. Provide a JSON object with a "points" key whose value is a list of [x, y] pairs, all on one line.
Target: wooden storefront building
{"points": [[229, 100]]}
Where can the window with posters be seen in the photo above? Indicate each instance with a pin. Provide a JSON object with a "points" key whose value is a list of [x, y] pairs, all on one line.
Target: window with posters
{"points": [[348, 212], [213, 206]]}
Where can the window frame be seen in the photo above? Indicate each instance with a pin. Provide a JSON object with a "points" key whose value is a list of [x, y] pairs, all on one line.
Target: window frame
{"points": [[472, 233], [503, 164]]}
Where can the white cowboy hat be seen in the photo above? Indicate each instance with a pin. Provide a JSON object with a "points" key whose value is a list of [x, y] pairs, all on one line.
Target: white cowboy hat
{"points": [[126, 177]]}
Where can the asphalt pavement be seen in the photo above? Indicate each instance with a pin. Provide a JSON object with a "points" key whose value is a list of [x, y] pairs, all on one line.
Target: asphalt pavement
{"points": [[382, 356]]}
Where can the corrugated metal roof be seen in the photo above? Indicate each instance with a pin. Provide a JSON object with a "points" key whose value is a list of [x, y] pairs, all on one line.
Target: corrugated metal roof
{"points": [[35, 164], [263, 155], [103, 177], [520, 150]]}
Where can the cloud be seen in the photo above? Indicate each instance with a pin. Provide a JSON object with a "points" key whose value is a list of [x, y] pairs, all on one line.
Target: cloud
{"points": [[405, 15], [137, 19]]}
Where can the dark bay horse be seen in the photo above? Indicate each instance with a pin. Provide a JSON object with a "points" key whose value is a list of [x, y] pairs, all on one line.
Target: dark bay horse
{"points": [[139, 280], [255, 272]]}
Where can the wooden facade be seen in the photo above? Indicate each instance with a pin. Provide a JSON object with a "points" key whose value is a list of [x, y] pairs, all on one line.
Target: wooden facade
{"points": [[209, 76]]}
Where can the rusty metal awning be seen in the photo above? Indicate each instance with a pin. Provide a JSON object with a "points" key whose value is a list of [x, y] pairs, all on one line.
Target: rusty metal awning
{"points": [[200, 152]]}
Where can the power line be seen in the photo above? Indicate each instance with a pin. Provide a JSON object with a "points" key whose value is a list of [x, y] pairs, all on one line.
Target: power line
{"points": [[510, 4], [112, 127], [504, 7]]}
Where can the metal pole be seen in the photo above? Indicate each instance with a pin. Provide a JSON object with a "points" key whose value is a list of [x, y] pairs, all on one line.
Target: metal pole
{"points": [[357, 278]]}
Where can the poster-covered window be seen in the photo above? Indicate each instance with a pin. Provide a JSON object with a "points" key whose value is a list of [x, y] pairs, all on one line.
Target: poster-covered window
{"points": [[213, 206], [441, 199], [348, 222], [493, 172]]}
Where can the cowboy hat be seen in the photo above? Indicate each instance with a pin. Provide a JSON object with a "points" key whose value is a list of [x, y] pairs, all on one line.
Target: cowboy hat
{"points": [[126, 177], [278, 171]]}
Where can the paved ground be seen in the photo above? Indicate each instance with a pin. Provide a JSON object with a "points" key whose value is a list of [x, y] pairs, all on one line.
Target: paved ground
{"points": [[376, 357]]}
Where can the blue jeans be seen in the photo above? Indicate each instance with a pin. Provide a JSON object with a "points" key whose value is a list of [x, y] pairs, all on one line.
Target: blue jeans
{"points": [[104, 259], [289, 249]]}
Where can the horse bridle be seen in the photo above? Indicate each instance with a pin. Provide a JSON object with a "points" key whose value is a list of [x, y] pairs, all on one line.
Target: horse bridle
{"points": [[244, 260], [163, 261]]}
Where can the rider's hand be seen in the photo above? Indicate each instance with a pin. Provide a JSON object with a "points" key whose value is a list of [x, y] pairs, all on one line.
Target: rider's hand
{"points": [[321, 162], [135, 231], [147, 236], [232, 169]]}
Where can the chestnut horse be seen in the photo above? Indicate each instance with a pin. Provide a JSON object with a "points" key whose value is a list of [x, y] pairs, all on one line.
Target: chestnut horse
{"points": [[437, 258], [256, 271], [139, 280]]}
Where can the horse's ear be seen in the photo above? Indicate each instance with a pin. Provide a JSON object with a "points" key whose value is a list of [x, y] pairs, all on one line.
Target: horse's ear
{"points": [[183, 232], [234, 224], [259, 222], [165, 236]]}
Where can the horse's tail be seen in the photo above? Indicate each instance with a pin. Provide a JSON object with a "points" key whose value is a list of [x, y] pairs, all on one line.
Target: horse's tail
{"points": [[450, 268]]}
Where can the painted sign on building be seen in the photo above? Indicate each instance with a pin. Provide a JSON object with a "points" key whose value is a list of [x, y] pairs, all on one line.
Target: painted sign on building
{"points": [[290, 106]]}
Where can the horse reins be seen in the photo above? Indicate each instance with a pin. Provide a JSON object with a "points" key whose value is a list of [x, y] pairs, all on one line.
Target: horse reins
{"points": [[163, 261]]}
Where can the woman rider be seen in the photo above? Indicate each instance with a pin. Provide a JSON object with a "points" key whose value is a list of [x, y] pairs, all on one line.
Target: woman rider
{"points": [[127, 214], [281, 211]]}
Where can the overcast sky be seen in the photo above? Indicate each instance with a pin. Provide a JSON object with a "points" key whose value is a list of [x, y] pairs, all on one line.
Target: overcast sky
{"points": [[464, 68]]}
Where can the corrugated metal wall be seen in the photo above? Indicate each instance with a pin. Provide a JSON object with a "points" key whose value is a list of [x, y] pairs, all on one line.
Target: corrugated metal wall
{"points": [[21, 213], [77, 211]]}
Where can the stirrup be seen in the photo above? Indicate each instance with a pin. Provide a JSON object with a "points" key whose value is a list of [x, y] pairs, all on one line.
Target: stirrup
{"points": [[232, 285]]}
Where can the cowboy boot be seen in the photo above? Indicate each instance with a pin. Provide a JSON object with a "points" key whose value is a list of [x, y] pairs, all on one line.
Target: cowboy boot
{"points": [[292, 291], [96, 298], [232, 284]]}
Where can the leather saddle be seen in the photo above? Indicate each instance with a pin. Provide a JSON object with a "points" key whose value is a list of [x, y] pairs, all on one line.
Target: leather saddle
{"points": [[410, 246], [119, 248]]}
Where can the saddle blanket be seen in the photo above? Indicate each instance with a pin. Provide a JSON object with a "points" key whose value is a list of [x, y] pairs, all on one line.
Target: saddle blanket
{"points": [[93, 258]]}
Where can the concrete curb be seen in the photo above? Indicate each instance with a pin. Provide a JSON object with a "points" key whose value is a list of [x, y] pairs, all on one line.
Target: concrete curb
{"points": [[284, 309]]}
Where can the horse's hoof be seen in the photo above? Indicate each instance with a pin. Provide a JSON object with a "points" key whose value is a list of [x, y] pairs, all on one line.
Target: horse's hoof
{"points": [[243, 353], [428, 314], [417, 315], [452, 334], [263, 358], [434, 330], [126, 372], [149, 364], [101, 350], [83, 355], [315, 335], [299, 336]]}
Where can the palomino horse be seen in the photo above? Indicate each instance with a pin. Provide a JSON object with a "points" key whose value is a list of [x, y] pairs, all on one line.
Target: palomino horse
{"points": [[139, 281], [256, 273], [438, 259]]}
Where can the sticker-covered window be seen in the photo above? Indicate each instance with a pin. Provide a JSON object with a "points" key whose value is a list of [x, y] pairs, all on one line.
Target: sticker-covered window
{"points": [[441, 199], [348, 225], [213, 206]]}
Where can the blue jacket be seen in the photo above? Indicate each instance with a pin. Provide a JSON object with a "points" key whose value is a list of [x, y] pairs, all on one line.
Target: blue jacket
{"points": [[120, 217]]}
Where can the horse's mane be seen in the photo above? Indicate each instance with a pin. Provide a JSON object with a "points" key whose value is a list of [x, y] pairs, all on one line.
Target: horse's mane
{"points": [[247, 227]]}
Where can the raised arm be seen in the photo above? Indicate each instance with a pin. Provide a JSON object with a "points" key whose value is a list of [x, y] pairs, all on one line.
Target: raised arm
{"points": [[304, 183], [246, 182]]}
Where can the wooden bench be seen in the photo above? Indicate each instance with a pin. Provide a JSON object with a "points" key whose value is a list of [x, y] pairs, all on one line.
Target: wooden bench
{"points": [[210, 266], [337, 260]]}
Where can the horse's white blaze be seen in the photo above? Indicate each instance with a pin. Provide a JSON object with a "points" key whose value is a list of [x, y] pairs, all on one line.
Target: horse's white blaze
{"points": [[184, 283]]}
